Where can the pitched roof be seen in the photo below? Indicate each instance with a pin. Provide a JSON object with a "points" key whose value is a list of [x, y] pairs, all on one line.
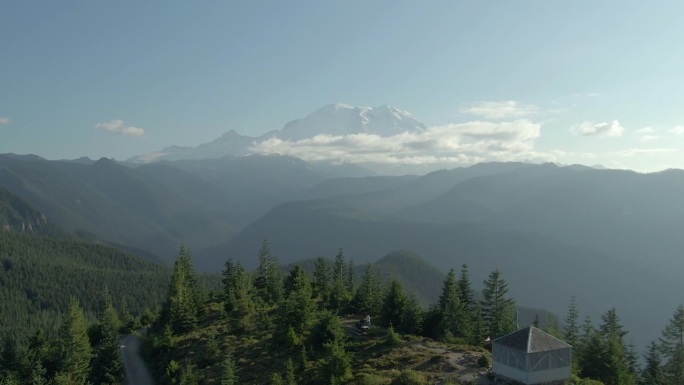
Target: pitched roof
{"points": [[531, 340]]}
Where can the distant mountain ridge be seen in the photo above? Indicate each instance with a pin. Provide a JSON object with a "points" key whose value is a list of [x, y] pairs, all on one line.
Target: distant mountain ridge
{"points": [[332, 120]]}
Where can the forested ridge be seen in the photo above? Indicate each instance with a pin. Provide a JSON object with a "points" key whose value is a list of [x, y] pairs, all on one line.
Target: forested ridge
{"points": [[267, 327], [39, 276]]}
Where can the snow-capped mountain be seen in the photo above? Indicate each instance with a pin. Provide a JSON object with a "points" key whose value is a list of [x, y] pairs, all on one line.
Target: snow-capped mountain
{"points": [[342, 119], [332, 120]]}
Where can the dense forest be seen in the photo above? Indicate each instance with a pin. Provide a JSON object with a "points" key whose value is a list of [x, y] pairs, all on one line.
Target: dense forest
{"points": [[266, 328], [64, 303]]}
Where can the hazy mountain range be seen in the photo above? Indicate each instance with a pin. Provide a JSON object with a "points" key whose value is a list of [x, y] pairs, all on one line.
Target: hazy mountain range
{"points": [[609, 237]]}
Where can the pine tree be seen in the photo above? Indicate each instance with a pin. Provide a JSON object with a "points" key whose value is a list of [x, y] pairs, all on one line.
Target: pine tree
{"points": [[498, 310], [351, 285], [478, 332], [653, 369], [672, 346], [368, 298], [571, 334], [298, 309], [183, 298], [339, 296], [228, 280], [75, 351], [337, 364], [412, 320], [321, 279], [394, 304], [611, 326], [229, 371], [465, 288], [268, 281], [449, 289], [107, 367], [290, 378]]}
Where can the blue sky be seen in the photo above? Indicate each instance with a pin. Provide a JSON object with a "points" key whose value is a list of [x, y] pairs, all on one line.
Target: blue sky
{"points": [[602, 81]]}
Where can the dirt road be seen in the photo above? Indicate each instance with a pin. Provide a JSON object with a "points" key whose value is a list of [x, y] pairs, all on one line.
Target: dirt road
{"points": [[134, 366]]}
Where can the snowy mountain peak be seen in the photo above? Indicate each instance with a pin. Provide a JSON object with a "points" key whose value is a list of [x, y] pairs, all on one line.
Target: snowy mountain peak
{"points": [[332, 120], [343, 119]]}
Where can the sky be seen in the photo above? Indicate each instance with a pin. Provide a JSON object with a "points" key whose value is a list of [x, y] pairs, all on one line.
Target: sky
{"points": [[584, 82]]}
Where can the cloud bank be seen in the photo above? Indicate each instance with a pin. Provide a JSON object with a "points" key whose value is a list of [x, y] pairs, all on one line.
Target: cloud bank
{"points": [[613, 129], [118, 126], [463, 143], [500, 110], [4, 120]]}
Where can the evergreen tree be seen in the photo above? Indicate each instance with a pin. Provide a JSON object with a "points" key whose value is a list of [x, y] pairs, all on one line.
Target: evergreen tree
{"points": [[611, 326], [653, 369], [337, 364], [327, 330], [368, 298], [268, 281], [290, 378], [412, 319], [107, 367], [465, 288], [321, 279], [228, 280], [498, 310], [339, 296], [672, 346], [449, 289], [75, 351], [351, 285], [183, 298], [394, 304], [478, 333], [592, 357], [571, 334], [298, 309], [229, 371]]}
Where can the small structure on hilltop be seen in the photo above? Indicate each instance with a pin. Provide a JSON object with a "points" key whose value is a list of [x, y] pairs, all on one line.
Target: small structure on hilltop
{"points": [[531, 356]]}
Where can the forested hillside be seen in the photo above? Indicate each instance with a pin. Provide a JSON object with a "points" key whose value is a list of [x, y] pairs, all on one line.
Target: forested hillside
{"points": [[39, 276], [298, 329]]}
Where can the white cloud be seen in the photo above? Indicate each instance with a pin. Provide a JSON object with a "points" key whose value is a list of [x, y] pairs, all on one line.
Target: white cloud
{"points": [[648, 138], [463, 143], [4, 120], [599, 129], [646, 134], [644, 151], [500, 110], [678, 130], [120, 127], [645, 130]]}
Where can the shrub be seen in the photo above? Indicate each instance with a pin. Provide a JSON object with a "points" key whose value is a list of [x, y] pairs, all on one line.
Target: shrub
{"points": [[371, 379], [410, 377]]}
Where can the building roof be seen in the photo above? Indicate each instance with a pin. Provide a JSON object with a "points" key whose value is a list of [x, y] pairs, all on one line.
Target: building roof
{"points": [[531, 340]]}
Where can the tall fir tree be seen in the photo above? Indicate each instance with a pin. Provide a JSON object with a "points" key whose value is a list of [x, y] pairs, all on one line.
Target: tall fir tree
{"points": [[394, 304], [351, 284], [339, 296], [498, 310], [107, 367], [268, 280], [653, 373], [672, 347], [465, 289], [75, 351], [183, 299], [368, 298], [298, 308], [228, 371], [572, 331], [321, 279]]}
